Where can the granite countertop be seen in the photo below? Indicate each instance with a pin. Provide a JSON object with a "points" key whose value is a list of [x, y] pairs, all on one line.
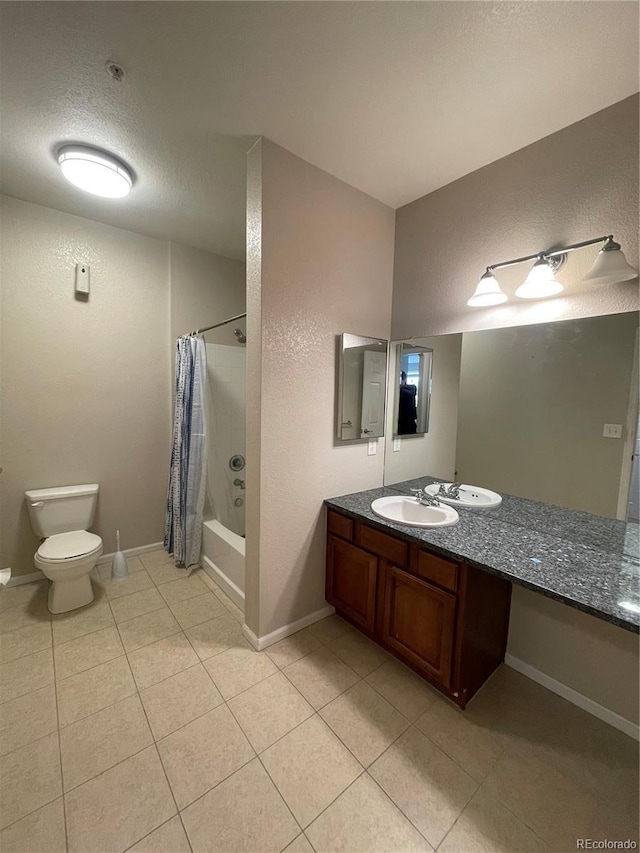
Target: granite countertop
{"points": [[586, 561]]}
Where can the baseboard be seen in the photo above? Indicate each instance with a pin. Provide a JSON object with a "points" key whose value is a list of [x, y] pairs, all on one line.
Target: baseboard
{"points": [[20, 579], [260, 643], [571, 695], [131, 552], [227, 586]]}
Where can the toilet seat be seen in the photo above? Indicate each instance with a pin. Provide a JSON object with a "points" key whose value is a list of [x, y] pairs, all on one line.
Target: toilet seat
{"points": [[63, 547]]}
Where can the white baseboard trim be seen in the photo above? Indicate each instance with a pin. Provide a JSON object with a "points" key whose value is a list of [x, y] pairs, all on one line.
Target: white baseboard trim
{"points": [[571, 695], [131, 552], [260, 643], [104, 558], [20, 579], [226, 585]]}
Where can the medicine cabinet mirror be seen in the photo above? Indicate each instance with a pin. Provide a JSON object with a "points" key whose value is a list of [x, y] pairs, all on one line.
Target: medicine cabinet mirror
{"points": [[362, 387]]}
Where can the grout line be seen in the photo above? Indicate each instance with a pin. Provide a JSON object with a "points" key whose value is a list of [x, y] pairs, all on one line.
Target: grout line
{"points": [[55, 687]]}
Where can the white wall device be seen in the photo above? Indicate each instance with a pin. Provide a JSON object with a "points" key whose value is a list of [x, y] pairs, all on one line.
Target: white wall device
{"points": [[82, 278]]}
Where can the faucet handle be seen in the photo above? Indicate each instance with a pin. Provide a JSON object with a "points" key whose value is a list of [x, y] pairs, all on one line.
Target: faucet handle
{"points": [[419, 493]]}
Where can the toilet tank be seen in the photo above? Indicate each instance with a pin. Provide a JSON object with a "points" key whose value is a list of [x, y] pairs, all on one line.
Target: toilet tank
{"points": [[62, 509]]}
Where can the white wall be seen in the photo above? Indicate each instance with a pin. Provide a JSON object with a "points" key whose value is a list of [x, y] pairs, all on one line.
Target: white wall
{"points": [[226, 374], [434, 453], [579, 183], [319, 262], [85, 383]]}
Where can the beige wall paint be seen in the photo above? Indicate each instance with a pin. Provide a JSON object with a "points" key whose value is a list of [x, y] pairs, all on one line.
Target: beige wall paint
{"points": [[578, 183], [533, 404], [322, 265], [596, 659], [205, 289], [435, 452], [85, 384]]}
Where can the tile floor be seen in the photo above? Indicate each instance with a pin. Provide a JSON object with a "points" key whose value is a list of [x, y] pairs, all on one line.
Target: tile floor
{"points": [[145, 722]]}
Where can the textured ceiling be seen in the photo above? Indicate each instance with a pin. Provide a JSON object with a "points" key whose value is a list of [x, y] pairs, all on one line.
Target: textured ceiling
{"points": [[395, 98]]}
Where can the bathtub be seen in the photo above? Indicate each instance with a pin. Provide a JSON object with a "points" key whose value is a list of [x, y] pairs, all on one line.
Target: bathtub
{"points": [[223, 559]]}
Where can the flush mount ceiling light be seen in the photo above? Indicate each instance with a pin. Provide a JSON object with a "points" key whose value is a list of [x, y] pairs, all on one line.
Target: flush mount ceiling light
{"points": [[610, 267], [488, 292], [94, 171]]}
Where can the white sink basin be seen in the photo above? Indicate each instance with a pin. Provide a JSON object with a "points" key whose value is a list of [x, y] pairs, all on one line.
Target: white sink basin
{"points": [[407, 510], [471, 497]]}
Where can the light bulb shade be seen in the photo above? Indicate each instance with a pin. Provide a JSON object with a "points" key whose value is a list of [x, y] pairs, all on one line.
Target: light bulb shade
{"points": [[540, 283], [610, 266], [488, 292], [94, 171]]}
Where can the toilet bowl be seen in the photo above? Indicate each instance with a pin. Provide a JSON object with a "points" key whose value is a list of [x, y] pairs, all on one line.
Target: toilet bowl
{"points": [[61, 516], [67, 560]]}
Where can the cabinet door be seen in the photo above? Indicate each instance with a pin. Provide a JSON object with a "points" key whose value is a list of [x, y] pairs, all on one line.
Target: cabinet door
{"points": [[419, 623], [351, 581]]}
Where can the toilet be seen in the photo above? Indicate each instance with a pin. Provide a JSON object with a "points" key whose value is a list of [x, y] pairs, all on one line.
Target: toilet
{"points": [[69, 552]]}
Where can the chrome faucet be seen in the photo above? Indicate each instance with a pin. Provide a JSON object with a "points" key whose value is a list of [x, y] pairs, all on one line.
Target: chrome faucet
{"points": [[425, 498], [452, 491]]}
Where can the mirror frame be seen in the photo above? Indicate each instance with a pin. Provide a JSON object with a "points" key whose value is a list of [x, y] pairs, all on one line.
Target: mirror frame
{"points": [[349, 341]]}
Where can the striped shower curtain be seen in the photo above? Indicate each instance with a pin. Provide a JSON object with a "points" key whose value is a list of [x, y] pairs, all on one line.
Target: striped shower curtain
{"points": [[187, 475]]}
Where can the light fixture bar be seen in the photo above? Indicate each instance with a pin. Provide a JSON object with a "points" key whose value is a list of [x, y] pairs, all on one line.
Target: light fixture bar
{"points": [[551, 254], [574, 246]]}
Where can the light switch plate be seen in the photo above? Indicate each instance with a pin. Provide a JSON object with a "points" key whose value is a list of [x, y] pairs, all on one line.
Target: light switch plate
{"points": [[372, 448], [612, 431], [396, 444]]}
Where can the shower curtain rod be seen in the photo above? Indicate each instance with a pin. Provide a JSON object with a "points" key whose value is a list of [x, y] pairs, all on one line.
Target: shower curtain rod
{"points": [[217, 325]]}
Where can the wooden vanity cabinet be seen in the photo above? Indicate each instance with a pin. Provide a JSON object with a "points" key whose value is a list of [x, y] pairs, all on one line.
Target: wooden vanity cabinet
{"points": [[445, 619]]}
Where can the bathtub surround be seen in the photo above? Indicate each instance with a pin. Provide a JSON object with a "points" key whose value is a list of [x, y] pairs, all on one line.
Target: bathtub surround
{"points": [[87, 362], [580, 181], [319, 262]]}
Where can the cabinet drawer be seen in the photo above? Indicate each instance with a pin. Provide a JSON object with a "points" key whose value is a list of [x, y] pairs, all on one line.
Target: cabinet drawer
{"points": [[394, 550], [437, 570], [340, 525]]}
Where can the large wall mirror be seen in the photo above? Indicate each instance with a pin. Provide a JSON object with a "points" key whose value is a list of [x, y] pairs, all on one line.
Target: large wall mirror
{"points": [[362, 386], [548, 412]]}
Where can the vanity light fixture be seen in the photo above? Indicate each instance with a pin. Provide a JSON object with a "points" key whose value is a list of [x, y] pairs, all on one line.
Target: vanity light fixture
{"points": [[95, 171], [541, 281], [610, 267], [488, 292]]}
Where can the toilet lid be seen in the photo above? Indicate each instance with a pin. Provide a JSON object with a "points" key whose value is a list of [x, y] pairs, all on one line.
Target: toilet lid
{"points": [[63, 546]]}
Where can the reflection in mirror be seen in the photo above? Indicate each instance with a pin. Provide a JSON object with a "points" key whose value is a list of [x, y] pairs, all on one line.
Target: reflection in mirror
{"points": [[547, 412], [413, 371], [362, 377]]}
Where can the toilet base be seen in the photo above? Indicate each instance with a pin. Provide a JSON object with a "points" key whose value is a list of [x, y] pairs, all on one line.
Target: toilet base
{"points": [[65, 595]]}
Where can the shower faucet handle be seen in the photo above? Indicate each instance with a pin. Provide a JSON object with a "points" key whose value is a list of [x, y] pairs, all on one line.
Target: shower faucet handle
{"points": [[239, 482]]}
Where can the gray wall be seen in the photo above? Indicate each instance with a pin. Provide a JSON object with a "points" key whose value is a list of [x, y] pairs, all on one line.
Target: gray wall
{"points": [[85, 384], [205, 289], [319, 262], [579, 183]]}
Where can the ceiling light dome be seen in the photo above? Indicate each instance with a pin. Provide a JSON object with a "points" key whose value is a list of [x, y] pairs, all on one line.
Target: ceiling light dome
{"points": [[610, 266], [540, 283], [488, 292], [94, 171]]}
